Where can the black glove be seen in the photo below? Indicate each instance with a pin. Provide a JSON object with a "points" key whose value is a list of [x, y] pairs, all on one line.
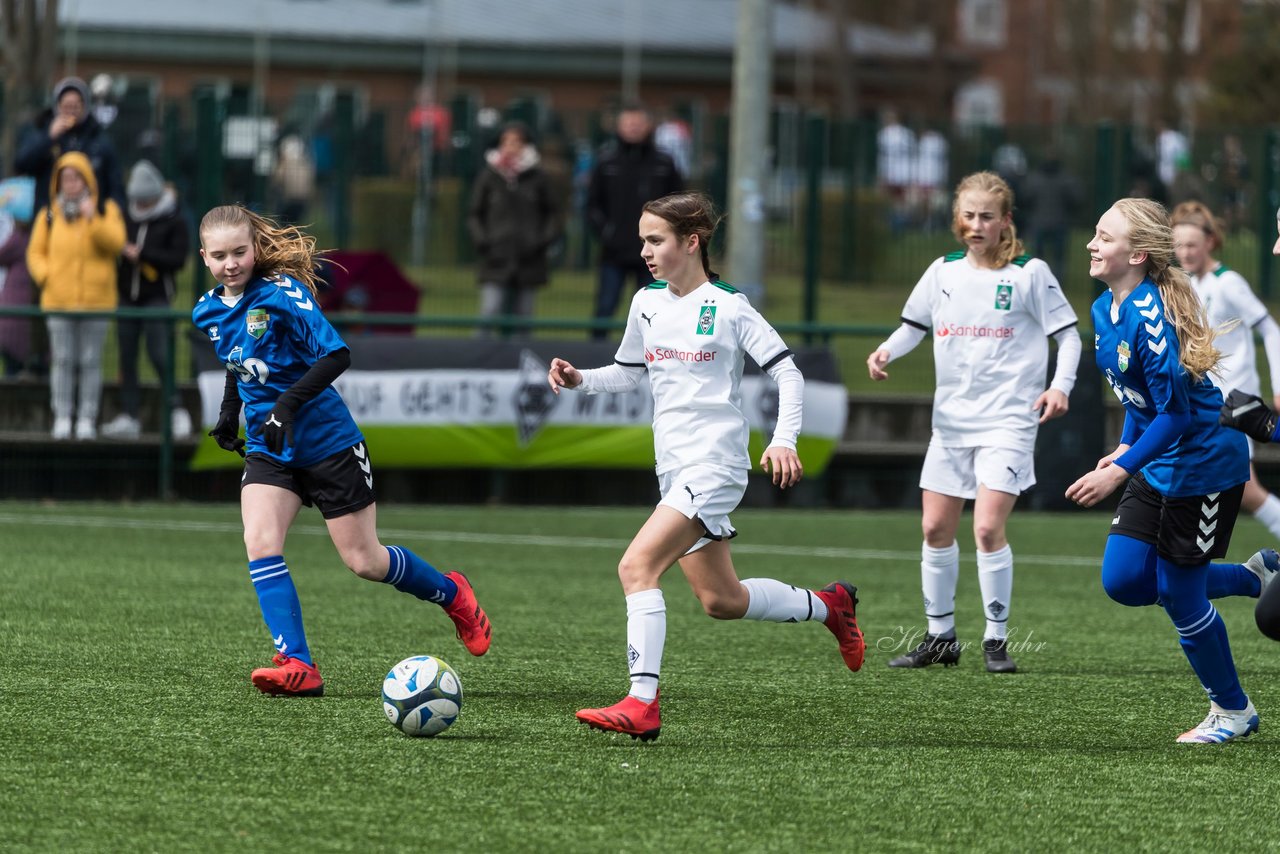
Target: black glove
{"points": [[1248, 414], [277, 430], [227, 432]]}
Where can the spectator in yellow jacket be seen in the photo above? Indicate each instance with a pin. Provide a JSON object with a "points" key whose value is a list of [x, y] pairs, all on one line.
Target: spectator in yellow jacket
{"points": [[75, 242]]}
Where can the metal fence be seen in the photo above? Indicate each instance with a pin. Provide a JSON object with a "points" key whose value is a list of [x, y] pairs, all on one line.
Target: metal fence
{"points": [[365, 178], [846, 241]]}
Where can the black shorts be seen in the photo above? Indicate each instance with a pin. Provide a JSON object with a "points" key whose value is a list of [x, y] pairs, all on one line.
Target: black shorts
{"points": [[337, 485], [1185, 531]]}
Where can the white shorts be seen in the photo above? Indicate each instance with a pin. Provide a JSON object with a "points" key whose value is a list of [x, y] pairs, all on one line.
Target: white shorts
{"points": [[706, 494], [958, 471]]}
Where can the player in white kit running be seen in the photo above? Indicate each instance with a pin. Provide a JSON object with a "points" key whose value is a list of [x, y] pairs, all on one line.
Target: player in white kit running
{"points": [[691, 332], [1235, 313], [991, 310]]}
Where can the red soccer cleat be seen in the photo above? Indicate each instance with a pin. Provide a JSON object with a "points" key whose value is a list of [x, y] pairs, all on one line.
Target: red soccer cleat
{"points": [[473, 625], [841, 599], [290, 677], [632, 716]]}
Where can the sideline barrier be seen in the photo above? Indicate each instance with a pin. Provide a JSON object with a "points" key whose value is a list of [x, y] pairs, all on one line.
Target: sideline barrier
{"points": [[477, 403]]}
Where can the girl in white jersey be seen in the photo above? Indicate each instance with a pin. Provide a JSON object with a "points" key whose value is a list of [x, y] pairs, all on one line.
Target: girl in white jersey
{"points": [[992, 310], [1236, 314], [691, 332]]}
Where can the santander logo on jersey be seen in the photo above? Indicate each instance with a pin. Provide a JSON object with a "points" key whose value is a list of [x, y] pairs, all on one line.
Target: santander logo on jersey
{"points": [[662, 354], [961, 331]]}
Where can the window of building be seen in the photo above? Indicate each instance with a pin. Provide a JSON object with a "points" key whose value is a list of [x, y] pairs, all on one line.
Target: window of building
{"points": [[983, 23]]}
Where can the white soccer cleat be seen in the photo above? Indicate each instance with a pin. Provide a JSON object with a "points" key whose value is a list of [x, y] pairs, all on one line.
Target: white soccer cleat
{"points": [[62, 427], [122, 427], [86, 429], [180, 423], [1264, 564], [1222, 725]]}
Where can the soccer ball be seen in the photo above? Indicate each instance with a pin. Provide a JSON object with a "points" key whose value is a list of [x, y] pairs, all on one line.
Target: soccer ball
{"points": [[422, 696]]}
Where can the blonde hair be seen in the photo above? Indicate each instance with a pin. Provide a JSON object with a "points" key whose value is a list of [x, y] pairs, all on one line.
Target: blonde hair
{"points": [[1010, 246], [1150, 232], [1198, 215], [276, 248]]}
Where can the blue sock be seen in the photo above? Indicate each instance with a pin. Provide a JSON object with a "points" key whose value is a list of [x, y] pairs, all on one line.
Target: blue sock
{"points": [[1231, 579], [1129, 571], [1202, 633], [409, 573], [280, 608]]}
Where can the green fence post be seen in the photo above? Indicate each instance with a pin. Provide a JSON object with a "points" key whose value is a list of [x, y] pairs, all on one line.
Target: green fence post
{"points": [[1104, 168], [843, 159], [344, 123], [168, 388], [815, 131], [1267, 184], [209, 116]]}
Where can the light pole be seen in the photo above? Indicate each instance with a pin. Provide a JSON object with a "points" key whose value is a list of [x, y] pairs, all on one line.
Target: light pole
{"points": [[748, 141]]}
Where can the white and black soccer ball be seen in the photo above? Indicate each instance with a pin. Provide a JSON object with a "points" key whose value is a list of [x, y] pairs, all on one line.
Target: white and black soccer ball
{"points": [[422, 696]]}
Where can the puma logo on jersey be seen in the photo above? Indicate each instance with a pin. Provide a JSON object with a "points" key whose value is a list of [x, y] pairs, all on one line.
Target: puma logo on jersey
{"points": [[648, 318], [946, 293], [1013, 471], [693, 496]]}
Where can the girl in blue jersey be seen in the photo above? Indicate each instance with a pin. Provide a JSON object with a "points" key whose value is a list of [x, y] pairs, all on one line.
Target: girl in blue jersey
{"points": [[1185, 474], [301, 444]]}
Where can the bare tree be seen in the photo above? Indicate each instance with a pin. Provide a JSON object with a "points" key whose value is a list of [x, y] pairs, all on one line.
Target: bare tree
{"points": [[28, 50], [1242, 85], [843, 68]]}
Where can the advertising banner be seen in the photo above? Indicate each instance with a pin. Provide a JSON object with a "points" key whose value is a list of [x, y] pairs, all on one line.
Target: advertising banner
{"points": [[437, 403]]}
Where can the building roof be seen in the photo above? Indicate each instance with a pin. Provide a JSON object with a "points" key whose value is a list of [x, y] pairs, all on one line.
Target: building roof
{"points": [[706, 26]]}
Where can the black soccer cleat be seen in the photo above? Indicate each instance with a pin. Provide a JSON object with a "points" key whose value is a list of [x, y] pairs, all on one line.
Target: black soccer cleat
{"points": [[996, 652], [932, 650]]}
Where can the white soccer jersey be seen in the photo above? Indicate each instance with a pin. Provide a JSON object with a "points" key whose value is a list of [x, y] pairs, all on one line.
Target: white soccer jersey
{"points": [[693, 347], [1228, 298], [990, 346]]}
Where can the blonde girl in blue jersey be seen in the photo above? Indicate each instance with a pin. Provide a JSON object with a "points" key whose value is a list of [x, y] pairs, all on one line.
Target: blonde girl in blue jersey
{"points": [[1183, 473], [302, 445], [690, 333]]}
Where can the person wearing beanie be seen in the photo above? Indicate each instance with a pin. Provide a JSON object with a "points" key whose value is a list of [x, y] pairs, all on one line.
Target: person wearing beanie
{"points": [[69, 125], [155, 249]]}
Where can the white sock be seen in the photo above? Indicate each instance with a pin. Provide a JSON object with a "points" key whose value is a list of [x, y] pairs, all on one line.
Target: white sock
{"points": [[1269, 515], [939, 569], [646, 633], [995, 579], [777, 602]]}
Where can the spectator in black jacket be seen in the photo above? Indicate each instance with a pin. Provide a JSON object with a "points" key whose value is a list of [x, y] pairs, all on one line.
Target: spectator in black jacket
{"points": [[513, 219], [155, 249], [68, 126], [629, 171]]}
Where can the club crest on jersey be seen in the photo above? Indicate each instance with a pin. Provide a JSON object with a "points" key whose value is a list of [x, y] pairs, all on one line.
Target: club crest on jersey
{"points": [[707, 320], [1122, 356], [257, 322], [1004, 296]]}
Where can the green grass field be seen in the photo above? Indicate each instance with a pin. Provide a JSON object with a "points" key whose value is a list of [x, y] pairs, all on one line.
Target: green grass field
{"points": [[127, 721]]}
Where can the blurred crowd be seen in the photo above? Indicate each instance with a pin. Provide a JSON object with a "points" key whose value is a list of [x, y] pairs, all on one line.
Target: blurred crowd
{"points": [[90, 222]]}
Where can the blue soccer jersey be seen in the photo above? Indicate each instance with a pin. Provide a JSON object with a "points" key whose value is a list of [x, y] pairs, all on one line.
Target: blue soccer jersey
{"points": [[1138, 353], [271, 336]]}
